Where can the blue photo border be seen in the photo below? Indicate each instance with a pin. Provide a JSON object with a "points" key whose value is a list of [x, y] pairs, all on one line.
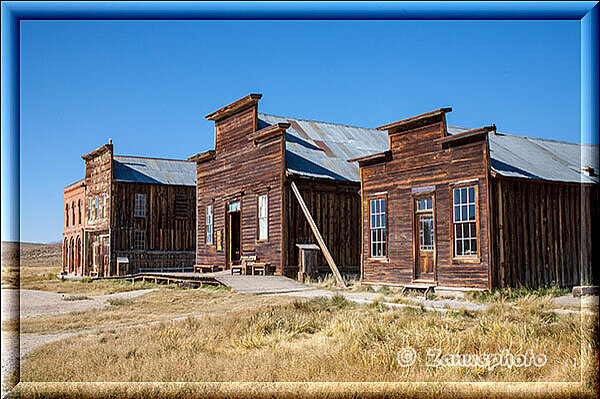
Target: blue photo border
{"points": [[14, 12]]}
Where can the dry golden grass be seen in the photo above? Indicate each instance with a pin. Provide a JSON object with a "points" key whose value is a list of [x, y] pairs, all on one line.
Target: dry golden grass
{"points": [[300, 390], [321, 340], [163, 304]]}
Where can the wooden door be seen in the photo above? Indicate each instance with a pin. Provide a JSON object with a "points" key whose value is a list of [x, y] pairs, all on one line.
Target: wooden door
{"points": [[106, 255], [425, 239]]}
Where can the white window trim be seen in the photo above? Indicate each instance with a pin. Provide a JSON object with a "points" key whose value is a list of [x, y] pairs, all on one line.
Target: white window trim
{"points": [[139, 208], [379, 229], [209, 223], [263, 234]]}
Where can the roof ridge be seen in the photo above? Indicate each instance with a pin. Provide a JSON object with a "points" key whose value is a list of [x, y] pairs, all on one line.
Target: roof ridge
{"points": [[312, 120], [154, 158], [528, 137], [543, 139]]}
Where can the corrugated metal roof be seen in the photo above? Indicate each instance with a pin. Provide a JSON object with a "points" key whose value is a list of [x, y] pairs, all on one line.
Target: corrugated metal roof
{"points": [[154, 170], [513, 155], [320, 149]]}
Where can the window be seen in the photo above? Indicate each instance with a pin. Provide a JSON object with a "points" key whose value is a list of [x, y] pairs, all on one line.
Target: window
{"points": [[209, 224], [377, 223], [234, 206], [139, 242], [67, 215], [104, 205], [96, 211], [79, 211], [90, 209], [465, 222], [140, 206], [73, 213], [181, 205], [263, 217]]}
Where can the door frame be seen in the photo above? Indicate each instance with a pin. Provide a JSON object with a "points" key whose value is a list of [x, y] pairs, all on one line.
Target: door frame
{"points": [[228, 261], [416, 235]]}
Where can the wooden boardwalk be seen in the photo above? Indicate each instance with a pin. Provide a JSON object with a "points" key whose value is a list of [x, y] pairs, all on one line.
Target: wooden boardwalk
{"points": [[259, 284], [238, 283]]}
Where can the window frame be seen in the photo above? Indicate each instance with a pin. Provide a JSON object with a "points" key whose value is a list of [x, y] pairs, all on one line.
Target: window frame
{"points": [[135, 240], [473, 258], [258, 217], [212, 224], [135, 207], [384, 257]]}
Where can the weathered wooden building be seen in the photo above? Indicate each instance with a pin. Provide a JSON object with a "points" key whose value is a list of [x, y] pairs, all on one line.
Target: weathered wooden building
{"points": [[133, 213], [247, 205], [455, 207]]}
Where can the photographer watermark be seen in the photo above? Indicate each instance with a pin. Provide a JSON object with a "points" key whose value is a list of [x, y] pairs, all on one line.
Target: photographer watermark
{"points": [[436, 358]]}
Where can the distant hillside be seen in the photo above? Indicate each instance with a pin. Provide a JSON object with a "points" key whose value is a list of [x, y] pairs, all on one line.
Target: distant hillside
{"points": [[29, 251]]}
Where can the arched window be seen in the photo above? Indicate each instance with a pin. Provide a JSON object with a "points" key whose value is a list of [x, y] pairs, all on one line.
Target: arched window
{"points": [[73, 212], [79, 211], [67, 215]]}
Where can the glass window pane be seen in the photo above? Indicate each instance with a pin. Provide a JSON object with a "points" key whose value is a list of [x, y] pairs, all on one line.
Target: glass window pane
{"points": [[458, 230], [459, 249], [463, 213], [382, 206], [463, 195], [472, 194], [466, 246], [473, 229], [472, 212], [372, 203], [456, 196], [457, 213], [429, 203], [474, 246]]}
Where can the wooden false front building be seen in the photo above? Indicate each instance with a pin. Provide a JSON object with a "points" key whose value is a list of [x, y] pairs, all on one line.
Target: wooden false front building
{"points": [[130, 214], [250, 186], [455, 207]]}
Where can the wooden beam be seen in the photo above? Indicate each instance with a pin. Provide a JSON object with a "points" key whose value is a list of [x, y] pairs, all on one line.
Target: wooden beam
{"points": [[317, 234]]}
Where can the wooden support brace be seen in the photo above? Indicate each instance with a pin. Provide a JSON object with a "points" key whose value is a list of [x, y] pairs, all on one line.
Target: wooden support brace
{"points": [[317, 234]]}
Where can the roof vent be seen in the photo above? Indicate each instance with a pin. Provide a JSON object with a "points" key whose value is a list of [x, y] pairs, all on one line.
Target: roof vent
{"points": [[110, 140], [588, 170]]}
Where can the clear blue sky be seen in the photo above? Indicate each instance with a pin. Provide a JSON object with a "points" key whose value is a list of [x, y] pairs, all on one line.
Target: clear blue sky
{"points": [[149, 84]]}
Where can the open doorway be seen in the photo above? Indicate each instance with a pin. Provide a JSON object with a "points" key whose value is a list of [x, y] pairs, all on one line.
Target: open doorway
{"points": [[234, 234]]}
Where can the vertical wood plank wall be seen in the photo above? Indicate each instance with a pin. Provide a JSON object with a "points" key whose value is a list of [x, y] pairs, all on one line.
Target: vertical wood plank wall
{"points": [[241, 170], [418, 161], [170, 239], [542, 232], [335, 208]]}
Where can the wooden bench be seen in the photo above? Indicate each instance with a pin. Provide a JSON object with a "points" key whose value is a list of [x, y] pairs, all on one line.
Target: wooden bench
{"points": [[206, 268], [259, 269], [427, 288]]}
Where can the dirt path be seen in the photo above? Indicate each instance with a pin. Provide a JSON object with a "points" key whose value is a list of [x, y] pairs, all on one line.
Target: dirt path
{"points": [[37, 303]]}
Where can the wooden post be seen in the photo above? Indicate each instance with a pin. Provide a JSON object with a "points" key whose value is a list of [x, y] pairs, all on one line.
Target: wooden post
{"points": [[317, 234]]}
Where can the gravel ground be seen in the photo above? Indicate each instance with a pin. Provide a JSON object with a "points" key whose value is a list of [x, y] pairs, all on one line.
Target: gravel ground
{"points": [[37, 303]]}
